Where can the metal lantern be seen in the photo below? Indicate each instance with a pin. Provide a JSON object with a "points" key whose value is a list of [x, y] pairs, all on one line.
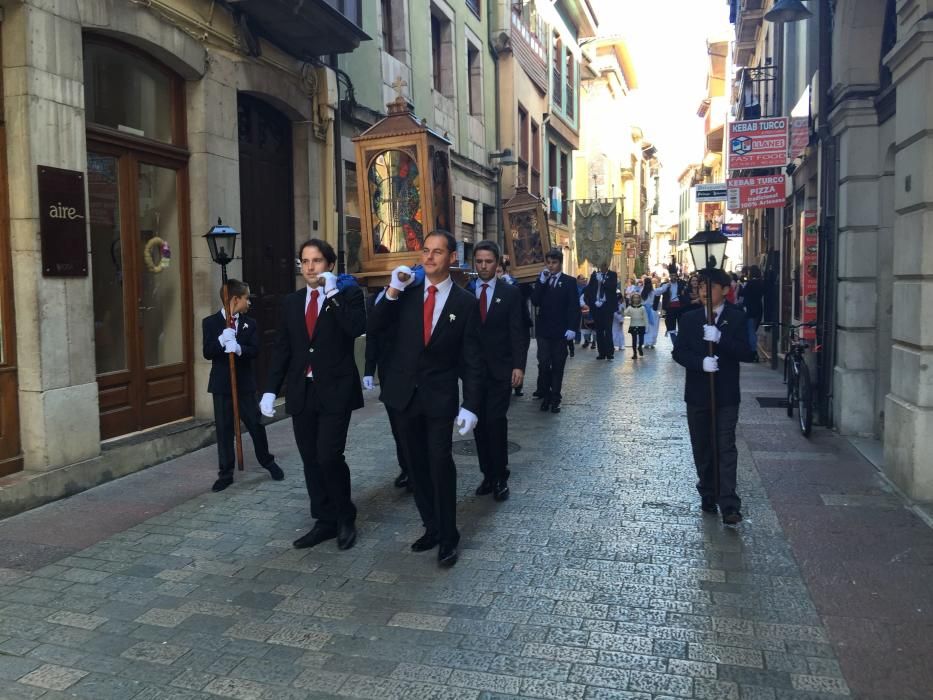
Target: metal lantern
{"points": [[221, 240], [708, 250], [787, 11]]}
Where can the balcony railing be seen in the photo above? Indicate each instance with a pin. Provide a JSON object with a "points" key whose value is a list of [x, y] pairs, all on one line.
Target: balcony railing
{"points": [[755, 98]]}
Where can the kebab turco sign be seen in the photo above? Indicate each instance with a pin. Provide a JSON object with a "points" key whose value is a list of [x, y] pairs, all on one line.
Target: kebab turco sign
{"points": [[758, 143], [62, 222], [761, 192]]}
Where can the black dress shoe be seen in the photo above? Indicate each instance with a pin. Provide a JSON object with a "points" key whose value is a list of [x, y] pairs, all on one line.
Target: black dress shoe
{"points": [[709, 507], [545, 405], [733, 517], [222, 483], [275, 471], [610, 357], [600, 357], [500, 491], [424, 543], [555, 408], [484, 488], [536, 395], [319, 533], [346, 536], [401, 481], [519, 392], [447, 555]]}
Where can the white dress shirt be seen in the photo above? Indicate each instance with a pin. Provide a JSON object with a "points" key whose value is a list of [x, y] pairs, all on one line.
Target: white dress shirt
{"points": [[489, 292], [236, 318], [440, 298]]}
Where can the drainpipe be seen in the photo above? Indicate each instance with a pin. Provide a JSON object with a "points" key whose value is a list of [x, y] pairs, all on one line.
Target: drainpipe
{"points": [[494, 52], [338, 175]]}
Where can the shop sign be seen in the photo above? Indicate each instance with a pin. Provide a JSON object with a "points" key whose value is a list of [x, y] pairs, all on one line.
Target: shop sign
{"points": [[732, 230], [711, 192], [759, 192], [630, 252], [758, 143], [799, 136], [62, 222], [617, 247], [809, 270]]}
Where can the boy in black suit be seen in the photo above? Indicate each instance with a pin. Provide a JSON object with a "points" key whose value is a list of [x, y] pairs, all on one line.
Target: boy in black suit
{"points": [[243, 341], [730, 347], [502, 334], [601, 298]]}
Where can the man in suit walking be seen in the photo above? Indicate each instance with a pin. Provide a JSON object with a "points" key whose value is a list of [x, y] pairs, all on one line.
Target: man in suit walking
{"points": [[730, 347], [600, 296], [555, 295], [313, 356], [502, 335], [437, 341], [218, 342]]}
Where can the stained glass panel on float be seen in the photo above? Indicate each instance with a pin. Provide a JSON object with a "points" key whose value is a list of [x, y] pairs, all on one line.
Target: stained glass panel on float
{"points": [[398, 218]]}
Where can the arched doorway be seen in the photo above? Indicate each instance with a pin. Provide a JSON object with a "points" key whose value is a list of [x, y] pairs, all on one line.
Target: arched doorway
{"points": [[140, 239], [266, 214]]}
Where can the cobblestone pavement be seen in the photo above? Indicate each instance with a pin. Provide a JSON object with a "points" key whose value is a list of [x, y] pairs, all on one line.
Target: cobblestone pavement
{"points": [[599, 578]]}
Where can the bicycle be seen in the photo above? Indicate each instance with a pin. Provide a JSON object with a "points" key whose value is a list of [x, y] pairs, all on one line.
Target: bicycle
{"points": [[797, 377]]}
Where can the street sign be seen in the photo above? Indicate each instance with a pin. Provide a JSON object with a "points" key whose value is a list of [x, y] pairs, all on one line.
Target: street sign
{"points": [[711, 192], [760, 192], [758, 143], [732, 230]]}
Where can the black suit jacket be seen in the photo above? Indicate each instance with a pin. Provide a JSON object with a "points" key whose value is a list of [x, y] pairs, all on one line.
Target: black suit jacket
{"points": [[453, 351], [248, 338], [733, 348], [502, 335], [558, 307], [378, 349], [330, 352], [610, 288]]}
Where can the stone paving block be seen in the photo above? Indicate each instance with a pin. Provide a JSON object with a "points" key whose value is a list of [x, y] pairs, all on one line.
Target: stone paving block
{"points": [[479, 680], [192, 680], [14, 646], [536, 688], [295, 637], [154, 652], [13, 667], [419, 621], [820, 684], [17, 691], [554, 652], [161, 617], [661, 683], [53, 677], [726, 655], [636, 662], [707, 689], [237, 688]]}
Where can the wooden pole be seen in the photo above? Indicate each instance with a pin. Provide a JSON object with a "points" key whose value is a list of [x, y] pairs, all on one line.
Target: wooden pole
{"points": [[711, 319], [231, 323]]}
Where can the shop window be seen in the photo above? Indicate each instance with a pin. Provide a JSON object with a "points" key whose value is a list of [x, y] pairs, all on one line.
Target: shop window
{"points": [[557, 72], [474, 5], [522, 146], [475, 78], [388, 45], [442, 53], [535, 186]]}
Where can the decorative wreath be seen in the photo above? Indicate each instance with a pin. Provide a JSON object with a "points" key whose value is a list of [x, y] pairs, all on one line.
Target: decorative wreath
{"points": [[165, 254]]}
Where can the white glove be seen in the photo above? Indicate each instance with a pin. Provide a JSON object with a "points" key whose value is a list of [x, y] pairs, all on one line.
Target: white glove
{"points": [[599, 276], [228, 335], [368, 383], [544, 276], [265, 405], [233, 346], [570, 335], [711, 333], [466, 421], [599, 303], [330, 282], [397, 282], [711, 364]]}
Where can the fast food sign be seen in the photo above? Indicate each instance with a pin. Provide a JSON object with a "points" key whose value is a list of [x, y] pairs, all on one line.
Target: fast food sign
{"points": [[758, 143], [758, 192]]}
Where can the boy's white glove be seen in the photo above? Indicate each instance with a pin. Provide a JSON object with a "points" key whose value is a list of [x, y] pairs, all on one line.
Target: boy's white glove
{"points": [[233, 346], [570, 335], [402, 271], [227, 335], [711, 334], [330, 282], [368, 383], [711, 364], [544, 276], [466, 421], [266, 406]]}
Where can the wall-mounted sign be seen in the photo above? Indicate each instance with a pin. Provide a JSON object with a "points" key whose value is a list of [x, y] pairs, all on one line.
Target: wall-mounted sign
{"points": [[732, 230], [799, 136], [711, 192], [809, 272], [617, 247], [760, 192], [62, 222], [758, 143]]}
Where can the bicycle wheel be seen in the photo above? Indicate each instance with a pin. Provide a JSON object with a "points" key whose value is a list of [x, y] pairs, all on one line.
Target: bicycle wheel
{"points": [[791, 384], [804, 400]]}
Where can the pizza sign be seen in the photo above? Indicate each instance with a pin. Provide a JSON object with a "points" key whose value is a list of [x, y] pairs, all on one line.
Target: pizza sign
{"points": [[760, 192]]}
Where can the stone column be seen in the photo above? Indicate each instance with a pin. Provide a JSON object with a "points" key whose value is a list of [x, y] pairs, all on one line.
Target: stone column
{"points": [[908, 439], [44, 112], [855, 124]]}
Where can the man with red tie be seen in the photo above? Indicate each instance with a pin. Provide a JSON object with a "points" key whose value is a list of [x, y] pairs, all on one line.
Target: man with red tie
{"points": [[436, 340], [313, 354], [502, 335]]}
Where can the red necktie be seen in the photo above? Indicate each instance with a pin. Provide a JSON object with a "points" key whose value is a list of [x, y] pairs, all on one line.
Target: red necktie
{"points": [[311, 314], [429, 313], [483, 301]]}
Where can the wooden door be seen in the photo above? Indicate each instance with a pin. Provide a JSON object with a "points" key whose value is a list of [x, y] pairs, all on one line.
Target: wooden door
{"points": [[266, 216], [140, 259]]}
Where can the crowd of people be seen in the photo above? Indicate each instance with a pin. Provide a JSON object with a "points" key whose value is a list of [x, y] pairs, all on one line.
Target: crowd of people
{"points": [[427, 337]]}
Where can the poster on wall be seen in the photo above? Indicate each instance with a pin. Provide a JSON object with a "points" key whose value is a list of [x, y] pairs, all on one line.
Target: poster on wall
{"points": [[760, 192], [758, 143], [809, 272], [62, 222]]}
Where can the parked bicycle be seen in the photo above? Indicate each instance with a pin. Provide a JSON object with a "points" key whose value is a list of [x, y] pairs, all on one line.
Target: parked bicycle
{"points": [[797, 377]]}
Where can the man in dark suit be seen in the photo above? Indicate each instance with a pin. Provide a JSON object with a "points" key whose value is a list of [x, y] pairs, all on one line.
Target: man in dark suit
{"points": [[671, 303], [502, 334], [218, 342], [437, 341], [600, 296], [313, 356], [555, 295], [728, 334]]}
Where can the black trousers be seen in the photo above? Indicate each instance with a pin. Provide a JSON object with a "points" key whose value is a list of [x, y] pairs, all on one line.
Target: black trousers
{"points": [[603, 322], [427, 442], [399, 452], [492, 431], [322, 439], [670, 319], [552, 356], [698, 420], [638, 337], [223, 424]]}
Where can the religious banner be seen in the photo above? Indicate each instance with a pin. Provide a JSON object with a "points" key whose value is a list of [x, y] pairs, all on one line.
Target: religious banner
{"points": [[760, 192], [758, 143], [809, 272], [595, 224]]}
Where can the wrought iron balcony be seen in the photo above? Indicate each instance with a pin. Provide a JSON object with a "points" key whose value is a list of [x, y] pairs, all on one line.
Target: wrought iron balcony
{"points": [[755, 95]]}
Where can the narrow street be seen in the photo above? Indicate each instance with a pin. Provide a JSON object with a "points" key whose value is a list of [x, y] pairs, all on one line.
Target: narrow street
{"points": [[600, 578]]}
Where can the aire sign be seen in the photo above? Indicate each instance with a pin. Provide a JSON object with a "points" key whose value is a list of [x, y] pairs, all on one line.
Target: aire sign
{"points": [[759, 192], [758, 143]]}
